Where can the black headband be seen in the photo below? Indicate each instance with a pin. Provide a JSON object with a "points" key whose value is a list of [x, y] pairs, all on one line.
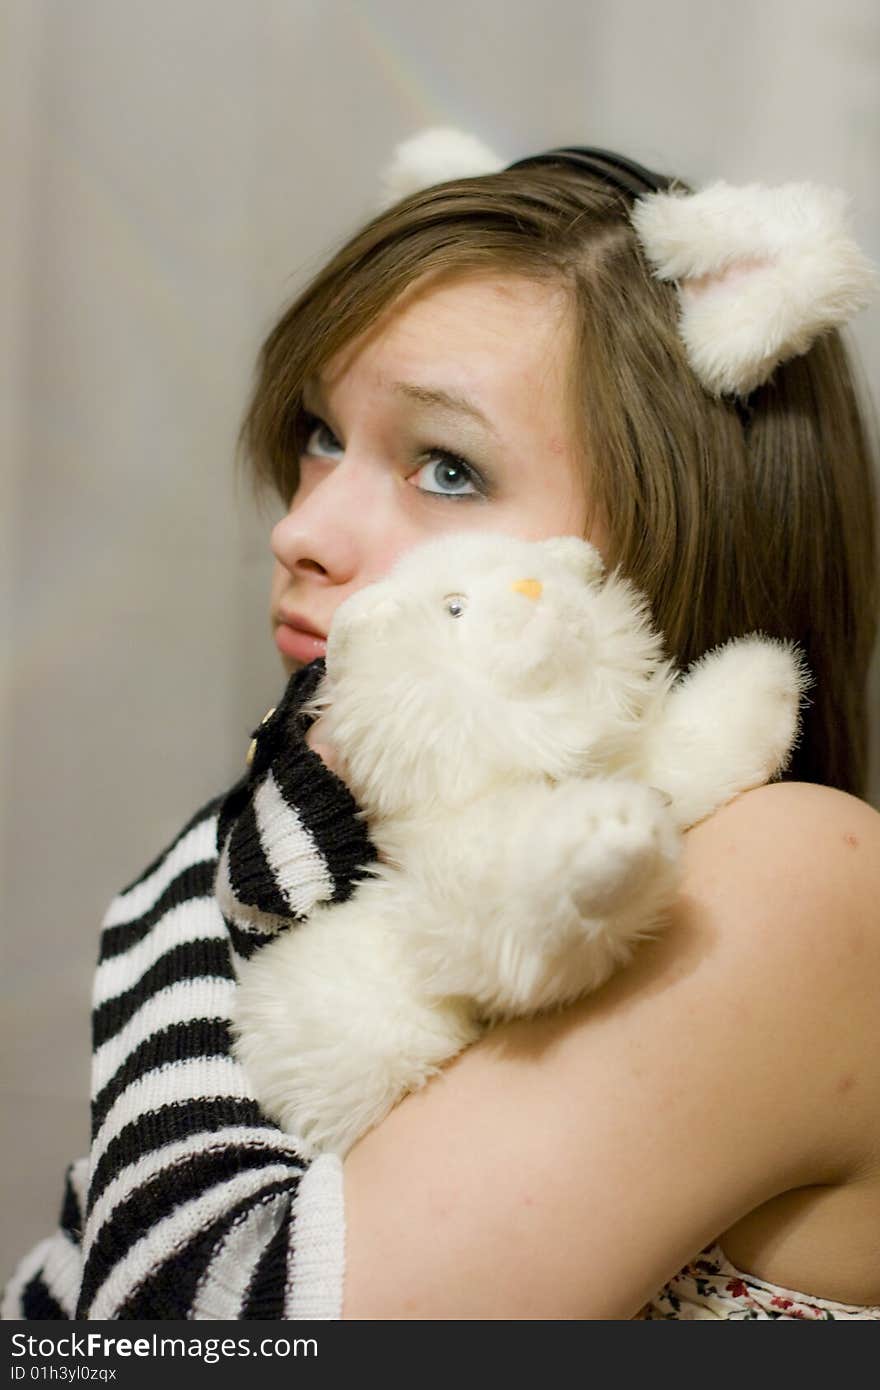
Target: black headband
{"points": [[612, 168]]}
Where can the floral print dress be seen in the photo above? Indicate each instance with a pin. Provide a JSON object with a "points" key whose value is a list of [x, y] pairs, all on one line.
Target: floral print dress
{"points": [[711, 1287]]}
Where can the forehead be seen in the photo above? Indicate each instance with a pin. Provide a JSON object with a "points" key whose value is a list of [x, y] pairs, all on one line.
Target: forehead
{"points": [[490, 335], [507, 345]]}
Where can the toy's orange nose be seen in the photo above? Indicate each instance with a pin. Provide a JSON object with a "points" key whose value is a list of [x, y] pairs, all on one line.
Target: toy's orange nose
{"points": [[532, 588]]}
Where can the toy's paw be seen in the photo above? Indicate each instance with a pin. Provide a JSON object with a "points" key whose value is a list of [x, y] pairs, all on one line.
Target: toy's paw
{"points": [[770, 677], [731, 723], [629, 842]]}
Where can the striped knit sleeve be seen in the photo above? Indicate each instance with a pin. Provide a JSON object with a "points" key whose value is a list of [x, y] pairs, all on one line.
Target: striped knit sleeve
{"points": [[290, 834], [197, 1205], [45, 1284]]}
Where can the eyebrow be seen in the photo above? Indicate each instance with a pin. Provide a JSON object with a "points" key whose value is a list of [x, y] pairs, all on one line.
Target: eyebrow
{"points": [[443, 400], [435, 396]]}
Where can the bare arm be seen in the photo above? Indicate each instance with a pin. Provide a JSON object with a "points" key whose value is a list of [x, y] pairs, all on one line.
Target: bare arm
{"points": [[568, 1167]]}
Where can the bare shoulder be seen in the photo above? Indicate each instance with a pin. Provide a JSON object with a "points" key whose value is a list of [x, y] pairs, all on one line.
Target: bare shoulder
{"points": [[790, 872], [798, 864], [814, 850], [814, 806]]}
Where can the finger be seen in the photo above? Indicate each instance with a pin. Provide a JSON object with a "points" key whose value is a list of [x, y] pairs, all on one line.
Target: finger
{"points": [[327, 754]]}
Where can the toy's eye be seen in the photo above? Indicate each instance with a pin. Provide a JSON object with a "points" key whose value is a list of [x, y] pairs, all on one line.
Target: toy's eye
{"points": [[455, 604]]}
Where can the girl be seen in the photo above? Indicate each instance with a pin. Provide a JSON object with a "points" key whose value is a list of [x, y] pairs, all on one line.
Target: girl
{"points": [[701, 1137]]}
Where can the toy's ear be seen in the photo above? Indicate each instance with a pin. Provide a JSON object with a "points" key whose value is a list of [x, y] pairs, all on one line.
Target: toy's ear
{"points": [[579, 556]]}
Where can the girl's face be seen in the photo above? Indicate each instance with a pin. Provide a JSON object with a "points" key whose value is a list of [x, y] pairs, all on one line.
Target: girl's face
{"points": [[450, 414]]}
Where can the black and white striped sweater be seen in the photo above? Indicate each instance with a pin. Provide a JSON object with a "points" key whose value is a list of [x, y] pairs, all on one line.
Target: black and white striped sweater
{"points": [[192, 1204]]}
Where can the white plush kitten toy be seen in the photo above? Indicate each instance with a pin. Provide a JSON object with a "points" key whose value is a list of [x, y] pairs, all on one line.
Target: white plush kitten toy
{"points": [[526, 759]]}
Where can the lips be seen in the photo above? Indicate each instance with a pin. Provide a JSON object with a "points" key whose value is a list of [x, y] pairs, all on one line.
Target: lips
{"points": [[297, 639], [301, 625]]}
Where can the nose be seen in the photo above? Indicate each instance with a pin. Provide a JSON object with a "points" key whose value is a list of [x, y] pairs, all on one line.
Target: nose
{"points": [[325, 530], [532, 588]]}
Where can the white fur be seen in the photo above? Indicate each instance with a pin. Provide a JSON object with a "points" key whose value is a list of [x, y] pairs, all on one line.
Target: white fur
{"points": [[525, 769], [434, 156], [761, 273]]}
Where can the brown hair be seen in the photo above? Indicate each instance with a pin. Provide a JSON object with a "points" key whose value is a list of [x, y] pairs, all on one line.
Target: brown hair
{"points": [[757, 517]]}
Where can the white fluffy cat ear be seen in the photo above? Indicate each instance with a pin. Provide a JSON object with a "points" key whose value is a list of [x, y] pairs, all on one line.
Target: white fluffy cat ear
{"points": [[433, 156], [760, 273]]}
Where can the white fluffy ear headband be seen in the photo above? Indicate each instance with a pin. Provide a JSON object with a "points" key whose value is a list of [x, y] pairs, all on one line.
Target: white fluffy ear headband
{"points": [[760, 272]]}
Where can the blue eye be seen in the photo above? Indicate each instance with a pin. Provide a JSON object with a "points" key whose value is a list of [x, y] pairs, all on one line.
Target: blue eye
{"points": [[451, 471], [444, 463], [313, 426]]}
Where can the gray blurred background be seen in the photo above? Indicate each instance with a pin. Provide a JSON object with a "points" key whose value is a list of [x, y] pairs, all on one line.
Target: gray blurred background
{"points": [[173, 173]]}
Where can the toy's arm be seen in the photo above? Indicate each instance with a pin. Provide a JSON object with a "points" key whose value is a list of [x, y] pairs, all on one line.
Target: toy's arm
{"points": [[728, 725], [545, 890]]}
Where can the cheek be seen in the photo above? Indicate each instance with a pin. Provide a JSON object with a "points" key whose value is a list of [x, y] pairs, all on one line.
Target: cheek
{"points": [[384, 556], [559, 511], [564, 512]]}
